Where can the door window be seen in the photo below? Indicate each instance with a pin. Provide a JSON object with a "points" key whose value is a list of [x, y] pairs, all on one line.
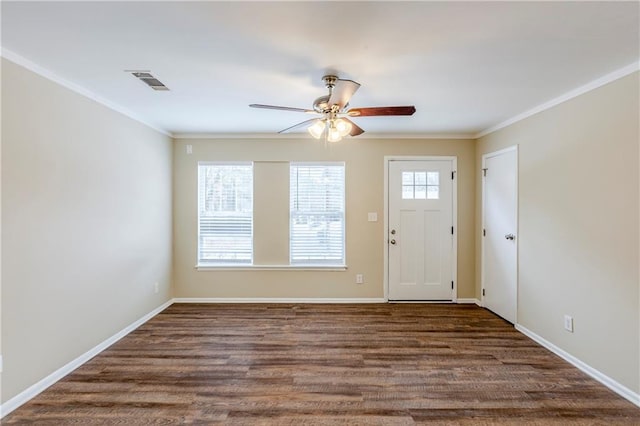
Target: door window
{"points": [[422, 185]]}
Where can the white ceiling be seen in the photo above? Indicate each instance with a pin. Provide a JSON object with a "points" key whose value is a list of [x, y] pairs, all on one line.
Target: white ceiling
{"points": [[466, 66]]}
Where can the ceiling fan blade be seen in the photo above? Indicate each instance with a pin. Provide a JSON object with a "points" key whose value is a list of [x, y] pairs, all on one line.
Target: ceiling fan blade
{"points": [[282, 108], [376, 111], [355, 129], [342, 92], [299, 125]]}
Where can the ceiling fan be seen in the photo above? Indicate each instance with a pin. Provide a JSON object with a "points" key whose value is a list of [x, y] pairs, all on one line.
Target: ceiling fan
{"points": [[335, 113]]}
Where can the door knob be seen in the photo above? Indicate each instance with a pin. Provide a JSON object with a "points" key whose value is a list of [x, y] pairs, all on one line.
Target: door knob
{"points": [[510, 237], [393, 242]]}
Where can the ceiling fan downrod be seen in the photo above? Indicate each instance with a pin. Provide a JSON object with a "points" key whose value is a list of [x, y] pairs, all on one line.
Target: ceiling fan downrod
{"points": [[330, 81]]}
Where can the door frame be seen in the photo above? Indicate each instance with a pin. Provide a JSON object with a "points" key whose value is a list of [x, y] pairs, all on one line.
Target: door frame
{"points": [[482, 223], [454, 209]]}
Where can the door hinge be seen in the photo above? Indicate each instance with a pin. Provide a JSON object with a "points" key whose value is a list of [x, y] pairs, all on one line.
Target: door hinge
{"points": [[484, 172], [451, 285], [484, 232], [483, 291], [453, 175], [452, 230]]}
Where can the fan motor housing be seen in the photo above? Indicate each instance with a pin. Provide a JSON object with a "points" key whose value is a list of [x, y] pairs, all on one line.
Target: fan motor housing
{"points": [[321, 104]]}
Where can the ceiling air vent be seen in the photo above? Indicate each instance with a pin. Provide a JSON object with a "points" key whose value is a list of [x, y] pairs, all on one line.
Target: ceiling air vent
{"points": [[147, 78]]}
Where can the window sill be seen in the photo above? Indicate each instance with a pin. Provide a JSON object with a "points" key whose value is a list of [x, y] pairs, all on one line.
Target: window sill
{"points": [[205, 267]]}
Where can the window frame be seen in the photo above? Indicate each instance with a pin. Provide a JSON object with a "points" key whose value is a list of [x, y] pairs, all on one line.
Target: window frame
{"points": [[215, 264], [341, 264]]}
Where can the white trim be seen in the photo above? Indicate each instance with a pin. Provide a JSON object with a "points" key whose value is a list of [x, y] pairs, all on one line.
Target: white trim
{"points": [[612, 384], [606, 79], [385, 230], [388, 158], [482, 222], [423, 302], [327, 268], [225, 163], [454, 221], [305, 135], [277, 300], [465, 301], [52, 378], [499, 152], [50, 75], [454, 199]]}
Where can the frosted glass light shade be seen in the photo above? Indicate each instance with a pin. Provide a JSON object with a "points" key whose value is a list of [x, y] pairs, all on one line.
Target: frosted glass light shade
{"points": [[316, 129], [333, 134], [344, 127]]}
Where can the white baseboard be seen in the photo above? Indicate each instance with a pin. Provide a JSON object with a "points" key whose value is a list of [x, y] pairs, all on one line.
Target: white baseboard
{"points": [[43, 384], [618, 388], [468, 301], [52, 378], [277, 300]]}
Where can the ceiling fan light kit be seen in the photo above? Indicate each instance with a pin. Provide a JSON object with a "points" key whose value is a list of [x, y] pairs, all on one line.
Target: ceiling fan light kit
{"points": [[334, 122], [336, 129]]}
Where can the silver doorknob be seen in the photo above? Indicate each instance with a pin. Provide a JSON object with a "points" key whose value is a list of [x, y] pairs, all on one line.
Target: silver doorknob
{"points": [[393, 242], [510, 237]]}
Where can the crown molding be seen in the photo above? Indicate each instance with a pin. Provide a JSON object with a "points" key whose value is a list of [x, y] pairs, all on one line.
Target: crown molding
{"points": [[307, 136], [50, 75], [605, 79]]}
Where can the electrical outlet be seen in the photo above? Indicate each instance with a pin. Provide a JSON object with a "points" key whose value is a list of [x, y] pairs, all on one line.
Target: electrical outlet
{"points": [[359, 279], [568, 323], [189, 149], [156, 287]]}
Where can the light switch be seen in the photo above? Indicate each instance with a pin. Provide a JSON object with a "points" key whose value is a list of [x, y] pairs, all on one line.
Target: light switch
{"points": [[373, 217]]}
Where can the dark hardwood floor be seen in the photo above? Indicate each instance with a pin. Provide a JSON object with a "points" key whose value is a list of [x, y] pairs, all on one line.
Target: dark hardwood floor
{"points": [[385, 364]]}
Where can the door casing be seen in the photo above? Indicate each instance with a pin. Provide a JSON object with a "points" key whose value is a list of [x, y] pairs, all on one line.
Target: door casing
{"points": [[454, 197]]}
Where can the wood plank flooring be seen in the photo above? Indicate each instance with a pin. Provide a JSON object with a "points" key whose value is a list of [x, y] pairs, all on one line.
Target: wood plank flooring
{"points": [[274, 364]]}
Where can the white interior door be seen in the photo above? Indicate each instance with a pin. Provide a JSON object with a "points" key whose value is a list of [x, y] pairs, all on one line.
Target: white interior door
{"points": [[421, 259], [500, 242]]}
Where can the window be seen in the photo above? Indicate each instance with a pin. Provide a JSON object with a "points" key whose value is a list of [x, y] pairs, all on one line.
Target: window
{"points": [[316, 230], [225, 213], [420, 185]]}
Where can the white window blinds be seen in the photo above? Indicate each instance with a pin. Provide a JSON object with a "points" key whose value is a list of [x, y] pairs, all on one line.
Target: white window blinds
{"points": [[225, 213], [316, 234]]}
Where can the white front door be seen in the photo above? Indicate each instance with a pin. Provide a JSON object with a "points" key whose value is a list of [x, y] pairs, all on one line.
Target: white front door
{"points": [[421, 257], [500, 242]]}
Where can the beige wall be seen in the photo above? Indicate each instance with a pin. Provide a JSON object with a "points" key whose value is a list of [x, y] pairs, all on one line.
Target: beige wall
{"points": [[86, 221], [364, 160], [578, 225]]}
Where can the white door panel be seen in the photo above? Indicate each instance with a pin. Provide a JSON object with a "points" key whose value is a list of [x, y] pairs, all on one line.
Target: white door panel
{"points": [[499, 260], [420, 218]]}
